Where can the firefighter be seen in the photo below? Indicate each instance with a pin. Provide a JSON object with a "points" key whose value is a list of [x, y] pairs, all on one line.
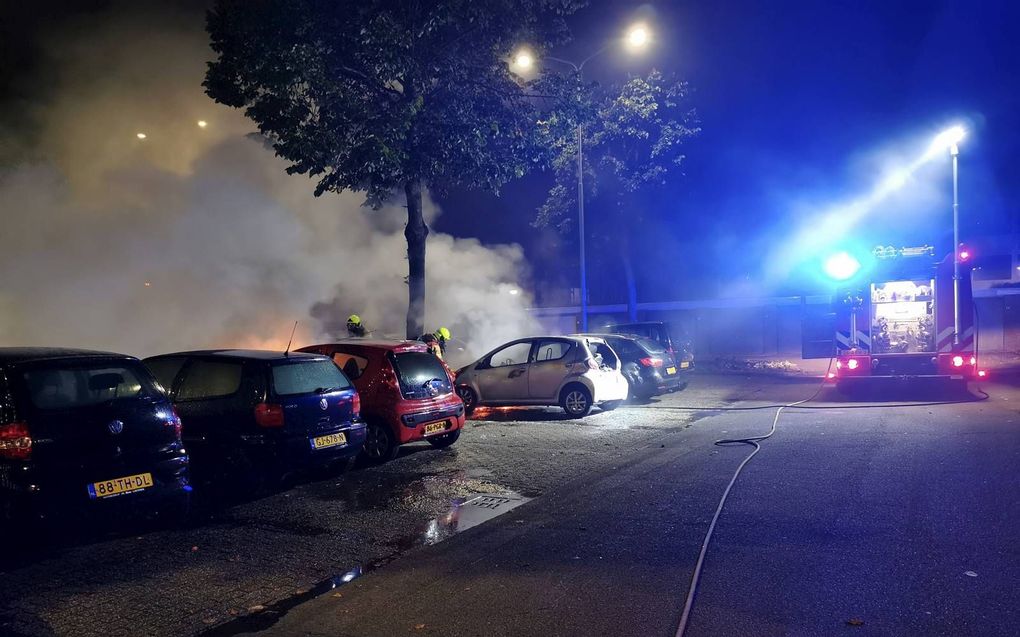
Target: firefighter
{"points": [[436, 341], [355, 327]]}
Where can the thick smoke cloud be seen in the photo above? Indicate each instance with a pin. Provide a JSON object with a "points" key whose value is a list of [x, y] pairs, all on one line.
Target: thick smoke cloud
{"points": [[195, 237]]}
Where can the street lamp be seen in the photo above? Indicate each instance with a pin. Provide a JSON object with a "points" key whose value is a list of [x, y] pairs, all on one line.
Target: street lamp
{"points": [[950, 139], [636, 39]]}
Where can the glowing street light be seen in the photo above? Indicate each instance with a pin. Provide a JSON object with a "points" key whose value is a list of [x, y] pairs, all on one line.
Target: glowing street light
{"points": [[948, 140], [524, 60], [635, 39], [638, 37], [140, 135], [202, 123]]}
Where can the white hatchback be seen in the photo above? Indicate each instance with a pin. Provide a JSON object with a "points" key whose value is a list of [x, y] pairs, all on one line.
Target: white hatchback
{"points": [[574, 372]]}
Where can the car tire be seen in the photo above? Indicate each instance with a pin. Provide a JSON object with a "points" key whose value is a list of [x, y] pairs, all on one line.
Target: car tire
{"points": [[380, 444], [576, 401], [610, 405], [469, 397], [445, 440]]}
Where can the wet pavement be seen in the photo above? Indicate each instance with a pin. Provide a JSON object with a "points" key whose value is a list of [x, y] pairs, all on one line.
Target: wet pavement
{"points": [[554, 518]]}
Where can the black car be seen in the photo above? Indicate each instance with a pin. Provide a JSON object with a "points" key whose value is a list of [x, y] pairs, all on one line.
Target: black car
{"points": [[675, 341], [260, 415], [649, 368], [84, 432]]}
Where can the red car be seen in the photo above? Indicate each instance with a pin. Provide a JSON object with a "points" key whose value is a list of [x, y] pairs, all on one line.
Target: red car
{"points": [[407, 394]]}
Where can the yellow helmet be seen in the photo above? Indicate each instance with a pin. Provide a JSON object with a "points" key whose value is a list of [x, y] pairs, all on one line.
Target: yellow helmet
{"points": [[443, 333], [354, 319]]}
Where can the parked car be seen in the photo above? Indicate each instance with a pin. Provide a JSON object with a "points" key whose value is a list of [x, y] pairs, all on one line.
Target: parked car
{"points": [[83, 432], [258, 415], [406, 393], [574, 372], [677, 343], [649, 368]]}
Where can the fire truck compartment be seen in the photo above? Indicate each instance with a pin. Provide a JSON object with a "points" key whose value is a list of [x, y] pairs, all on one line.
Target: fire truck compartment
{"points": [[903, 317]]}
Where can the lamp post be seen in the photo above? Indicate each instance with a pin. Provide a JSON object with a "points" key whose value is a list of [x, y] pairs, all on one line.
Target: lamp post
{"points": [[636, 39], [950, 139]]}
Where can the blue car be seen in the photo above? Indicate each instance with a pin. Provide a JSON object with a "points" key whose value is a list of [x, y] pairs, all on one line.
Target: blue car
{"points": [[86, 433], [261, 415]]}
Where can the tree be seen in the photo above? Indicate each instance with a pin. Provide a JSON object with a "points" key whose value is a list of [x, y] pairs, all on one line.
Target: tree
{"points": [[635, 142], [387, 96]]}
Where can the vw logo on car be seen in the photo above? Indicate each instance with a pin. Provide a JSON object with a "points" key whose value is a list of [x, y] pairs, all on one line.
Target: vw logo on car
{"points": [[115, 426], [323, 404]]}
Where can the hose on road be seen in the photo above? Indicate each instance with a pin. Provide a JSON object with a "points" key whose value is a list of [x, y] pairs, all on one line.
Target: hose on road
{"points": [[754, 442]]}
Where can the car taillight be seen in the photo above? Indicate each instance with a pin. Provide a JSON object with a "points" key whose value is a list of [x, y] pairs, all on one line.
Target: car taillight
{"points": [[356, 406], [852, 363], [973, 360], [958, 361], [648, 361], [15, 441], [174, 421], [269, 415]]}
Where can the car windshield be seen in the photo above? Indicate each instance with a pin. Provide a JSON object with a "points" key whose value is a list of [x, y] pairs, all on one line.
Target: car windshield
{"points": [[421, 375], [307, 377], [69, 384]]}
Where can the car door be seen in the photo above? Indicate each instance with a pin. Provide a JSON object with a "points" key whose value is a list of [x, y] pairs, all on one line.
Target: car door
{"points": [[504, 374], [551, 361]]}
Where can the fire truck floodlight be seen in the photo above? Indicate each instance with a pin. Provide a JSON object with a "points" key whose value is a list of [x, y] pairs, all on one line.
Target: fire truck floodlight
{"points": [[841, 266]]}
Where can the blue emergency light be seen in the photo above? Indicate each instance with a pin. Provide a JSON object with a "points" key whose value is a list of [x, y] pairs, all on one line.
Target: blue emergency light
{"points": [[841, 266]]}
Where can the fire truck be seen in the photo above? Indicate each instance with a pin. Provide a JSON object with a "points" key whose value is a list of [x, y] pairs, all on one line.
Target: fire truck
{"points": [[906, 315]]}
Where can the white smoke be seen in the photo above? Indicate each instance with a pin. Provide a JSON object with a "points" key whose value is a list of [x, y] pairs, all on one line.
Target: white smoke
{"points": [[195, 237]]}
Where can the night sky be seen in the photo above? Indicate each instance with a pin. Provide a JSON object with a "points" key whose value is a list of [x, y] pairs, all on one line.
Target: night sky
{"points": [[798, 101]]}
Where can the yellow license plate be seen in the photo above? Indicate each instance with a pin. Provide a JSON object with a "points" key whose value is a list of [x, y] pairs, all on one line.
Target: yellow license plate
{"points": [[435, 427], [117, 486], [332, 440], [670, 370], [684, 365]]}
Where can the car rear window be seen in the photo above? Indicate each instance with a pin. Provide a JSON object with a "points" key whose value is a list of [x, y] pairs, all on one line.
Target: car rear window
{"points": [[421, 375], [307, 377], [165, 369], [652, 347], [69, 384], [210, 379]]}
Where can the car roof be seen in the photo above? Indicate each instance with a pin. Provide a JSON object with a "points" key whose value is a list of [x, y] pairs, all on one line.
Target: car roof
{"points": [[250, 354], [27, 354], [638, 323], [376, 343], [630, 337]]}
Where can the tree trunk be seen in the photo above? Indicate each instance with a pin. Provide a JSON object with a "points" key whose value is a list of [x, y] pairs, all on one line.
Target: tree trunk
{"points": [[416, 231]]}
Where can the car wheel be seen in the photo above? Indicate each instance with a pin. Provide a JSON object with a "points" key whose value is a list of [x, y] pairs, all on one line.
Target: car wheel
{"points": [[469, 397], [576, 401], [380, 445], [610, 405], [441, 442]]}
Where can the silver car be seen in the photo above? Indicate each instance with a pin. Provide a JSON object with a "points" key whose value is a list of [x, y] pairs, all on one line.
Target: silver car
{"points": [[574, 372]]}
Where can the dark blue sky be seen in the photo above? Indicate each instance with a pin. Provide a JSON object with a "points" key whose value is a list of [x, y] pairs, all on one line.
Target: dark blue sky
{"points": [[797, 100]]}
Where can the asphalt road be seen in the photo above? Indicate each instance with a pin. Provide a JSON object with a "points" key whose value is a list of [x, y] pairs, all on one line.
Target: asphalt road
{"points": [[902, 518]]}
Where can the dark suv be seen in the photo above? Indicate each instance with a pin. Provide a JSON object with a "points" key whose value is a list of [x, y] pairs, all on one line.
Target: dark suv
{"points": [[662, 333], [85, 431], [258, 414], [650, 369]]}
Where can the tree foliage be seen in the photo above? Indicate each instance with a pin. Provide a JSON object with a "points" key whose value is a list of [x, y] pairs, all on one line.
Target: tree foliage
{"points": [[634, 140], [383, 96]]}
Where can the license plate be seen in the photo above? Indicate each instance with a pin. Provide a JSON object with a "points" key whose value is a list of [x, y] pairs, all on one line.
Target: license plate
{"points": [[684, 365], [670, 370], [435, 427], [118, 486], [332, 440]]}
